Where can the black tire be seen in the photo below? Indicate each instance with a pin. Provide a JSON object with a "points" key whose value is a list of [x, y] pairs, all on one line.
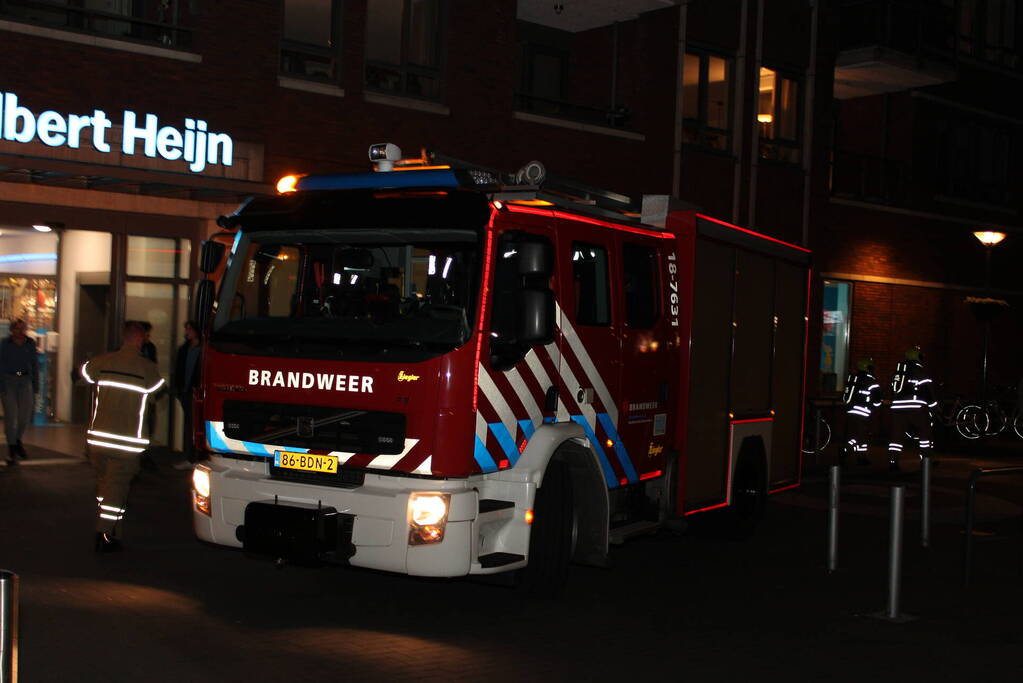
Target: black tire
{"points": [[550, 540]]}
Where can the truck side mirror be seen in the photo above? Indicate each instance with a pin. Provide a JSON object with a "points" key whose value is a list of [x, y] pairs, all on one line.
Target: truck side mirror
{"points": [[211, 253], [535, 319], [536, 259], [204, 295]]}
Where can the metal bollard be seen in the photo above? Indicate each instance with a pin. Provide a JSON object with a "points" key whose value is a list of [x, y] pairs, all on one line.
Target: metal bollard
{"points": [[895, 552], [8, 627], [833, 490], [925, 502]]}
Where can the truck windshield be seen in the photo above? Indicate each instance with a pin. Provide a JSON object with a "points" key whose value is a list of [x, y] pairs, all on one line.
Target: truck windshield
{"points": [[350, 293]]}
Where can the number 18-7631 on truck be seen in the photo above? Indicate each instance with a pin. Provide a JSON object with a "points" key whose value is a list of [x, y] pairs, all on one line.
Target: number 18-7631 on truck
{"points": [[429, 371]]}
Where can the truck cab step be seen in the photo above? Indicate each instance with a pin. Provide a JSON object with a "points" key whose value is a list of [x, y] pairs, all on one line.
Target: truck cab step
{"points": [[492, 505], [491, 560]]}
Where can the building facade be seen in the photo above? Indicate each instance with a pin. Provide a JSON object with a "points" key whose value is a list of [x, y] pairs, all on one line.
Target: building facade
{"points": [[128, 127], [920, 141]]}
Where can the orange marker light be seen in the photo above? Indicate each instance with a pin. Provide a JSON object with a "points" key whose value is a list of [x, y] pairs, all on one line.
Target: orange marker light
{"points": [[288, 183], [609, 443], [529, 516]]}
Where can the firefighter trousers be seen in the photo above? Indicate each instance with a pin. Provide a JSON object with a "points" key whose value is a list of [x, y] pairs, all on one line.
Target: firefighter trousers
{"points": [[114, 472], [857, 435], [913, 424]]}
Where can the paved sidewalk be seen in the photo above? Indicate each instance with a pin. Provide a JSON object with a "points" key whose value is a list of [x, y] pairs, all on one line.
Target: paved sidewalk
{"points": [[696, 607]]}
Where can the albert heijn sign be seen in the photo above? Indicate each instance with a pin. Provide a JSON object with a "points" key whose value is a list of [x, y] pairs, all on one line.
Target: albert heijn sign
{"points": [[191, 143]]}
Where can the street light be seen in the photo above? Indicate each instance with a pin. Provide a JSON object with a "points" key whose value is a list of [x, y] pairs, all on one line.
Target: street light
{"points": [[989, 238]]}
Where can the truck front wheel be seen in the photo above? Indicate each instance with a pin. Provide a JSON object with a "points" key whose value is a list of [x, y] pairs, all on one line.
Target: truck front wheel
{"points": [[552, 534]]}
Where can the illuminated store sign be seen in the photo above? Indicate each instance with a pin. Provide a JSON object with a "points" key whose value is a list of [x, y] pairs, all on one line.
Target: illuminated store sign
{"points": [[192, 144]]}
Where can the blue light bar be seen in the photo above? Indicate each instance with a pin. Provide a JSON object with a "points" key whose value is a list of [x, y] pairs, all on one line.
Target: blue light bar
{"points": [[382, 181]]}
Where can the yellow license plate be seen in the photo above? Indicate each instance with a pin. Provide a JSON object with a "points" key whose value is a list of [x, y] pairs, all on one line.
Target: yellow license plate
{"points": [[306, 461]]}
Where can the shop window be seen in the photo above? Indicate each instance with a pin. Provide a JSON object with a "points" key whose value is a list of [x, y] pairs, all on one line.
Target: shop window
{"points": [[639, 273], [152, 256], [589, 274], [834, 359], [157, 292], [166, 22], [309, 48], [403, 47], [28, 291], [706, 100], [778, 116]]}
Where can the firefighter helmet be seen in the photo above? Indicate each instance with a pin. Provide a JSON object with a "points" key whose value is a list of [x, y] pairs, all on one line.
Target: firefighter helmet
{"points": [[914, 354], [865, 364]]}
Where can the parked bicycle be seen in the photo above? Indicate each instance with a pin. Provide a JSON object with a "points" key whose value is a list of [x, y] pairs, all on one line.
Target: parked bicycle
{"points": [[817, 430], [974, 420]]}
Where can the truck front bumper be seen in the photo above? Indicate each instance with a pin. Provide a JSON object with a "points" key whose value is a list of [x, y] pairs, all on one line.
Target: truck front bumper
{"points": [[375, 515]]}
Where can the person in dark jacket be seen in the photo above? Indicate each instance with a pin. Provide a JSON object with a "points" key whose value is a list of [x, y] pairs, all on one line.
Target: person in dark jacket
{"points": [[19, 383], [185, 378]]}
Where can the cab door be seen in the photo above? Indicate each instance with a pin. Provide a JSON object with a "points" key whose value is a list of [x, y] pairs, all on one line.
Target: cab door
{"points": [[647, 380], [590, 347]]}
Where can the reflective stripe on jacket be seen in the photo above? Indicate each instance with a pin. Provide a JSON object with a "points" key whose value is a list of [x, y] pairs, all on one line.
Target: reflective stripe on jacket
{"points": [[862, 393], [125, 380], [911, 387]]}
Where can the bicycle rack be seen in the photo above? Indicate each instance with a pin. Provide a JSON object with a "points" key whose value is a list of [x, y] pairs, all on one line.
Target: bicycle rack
{"points": [[971, 504]]}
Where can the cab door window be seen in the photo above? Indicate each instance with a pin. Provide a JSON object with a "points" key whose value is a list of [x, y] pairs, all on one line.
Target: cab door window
{"points": [[590, 282], [639, 273]]}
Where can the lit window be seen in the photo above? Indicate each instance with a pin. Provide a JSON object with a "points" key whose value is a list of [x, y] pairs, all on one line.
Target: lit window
{"points": [[778, 116], [706, 100]]}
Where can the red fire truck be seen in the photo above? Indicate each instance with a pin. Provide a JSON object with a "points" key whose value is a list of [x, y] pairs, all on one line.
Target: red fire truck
{"points": [[435, 371]]}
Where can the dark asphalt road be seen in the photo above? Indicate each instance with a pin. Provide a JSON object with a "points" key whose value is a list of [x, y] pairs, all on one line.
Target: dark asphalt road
{"points": [[695, 607]]}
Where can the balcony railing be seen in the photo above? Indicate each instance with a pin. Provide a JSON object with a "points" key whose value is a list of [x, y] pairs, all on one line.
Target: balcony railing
{"points": [[914, 27], [165, 22], [607, 117]]}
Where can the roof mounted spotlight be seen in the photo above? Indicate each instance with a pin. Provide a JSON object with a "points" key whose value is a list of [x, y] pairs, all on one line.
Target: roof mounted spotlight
{"points": [[533, 173], [47, 227], [383, 155]]}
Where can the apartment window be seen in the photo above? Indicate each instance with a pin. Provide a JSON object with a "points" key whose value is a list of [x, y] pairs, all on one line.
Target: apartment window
{"points": [[167, 22], [592, 293], [974, 162], [987, 30], [639, 266], [309, 48], [778, 116], [403, 39], [706, 103]]}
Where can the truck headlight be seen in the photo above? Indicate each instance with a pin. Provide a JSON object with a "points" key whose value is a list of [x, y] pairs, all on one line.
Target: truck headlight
{"points": [[201, 489], [427, 517]]}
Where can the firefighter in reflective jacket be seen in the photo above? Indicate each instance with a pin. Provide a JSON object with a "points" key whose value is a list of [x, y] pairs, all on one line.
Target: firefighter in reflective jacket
{"points": [[125, 382], [862, 395], [912, 400]]}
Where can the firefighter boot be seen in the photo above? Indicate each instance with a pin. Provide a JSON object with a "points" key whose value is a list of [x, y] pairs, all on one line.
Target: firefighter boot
{"points": [[12, 455], [106, 543], [21, 450]]}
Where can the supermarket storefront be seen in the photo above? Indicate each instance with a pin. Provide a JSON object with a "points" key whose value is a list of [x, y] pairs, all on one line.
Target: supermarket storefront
{"points": [[101, 215]]}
